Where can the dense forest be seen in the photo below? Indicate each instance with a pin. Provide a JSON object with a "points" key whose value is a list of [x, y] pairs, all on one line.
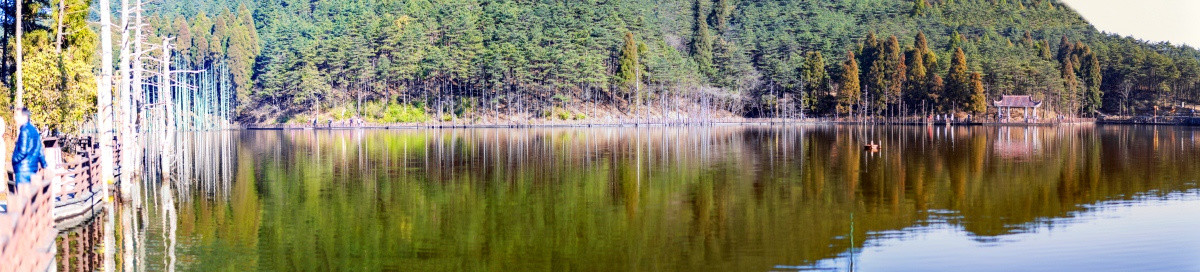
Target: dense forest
{"points": [[403, 61]]}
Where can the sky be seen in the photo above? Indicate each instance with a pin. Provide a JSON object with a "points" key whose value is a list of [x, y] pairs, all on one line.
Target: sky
{"points": [[1176, 21]]}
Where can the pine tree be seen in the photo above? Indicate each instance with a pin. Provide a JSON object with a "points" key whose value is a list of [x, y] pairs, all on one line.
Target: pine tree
{"points": [[1043, 49], [814, 72], [917, 84], [849, 92], [896, 71], [978, 98], [721, 14], [1065, 50], [1093, 96], [183, 35], [937, 93], [957, 40], [874, 80], [814, 76], [243, 47], [932, 65], [958, 82], [732, 66], [919, 8], [1070, 83], [920, 43], [702, 47], [630, 67]]}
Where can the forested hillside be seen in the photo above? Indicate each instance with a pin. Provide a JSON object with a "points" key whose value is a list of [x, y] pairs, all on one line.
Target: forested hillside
{"points": [[397, 61]]}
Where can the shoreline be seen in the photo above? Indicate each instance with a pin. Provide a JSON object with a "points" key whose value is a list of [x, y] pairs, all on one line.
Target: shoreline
{"points": [[661, 122], [716, 122]]}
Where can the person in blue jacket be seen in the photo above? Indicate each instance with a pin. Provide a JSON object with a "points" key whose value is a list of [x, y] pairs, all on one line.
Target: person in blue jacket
{"points": [[27, 156]]}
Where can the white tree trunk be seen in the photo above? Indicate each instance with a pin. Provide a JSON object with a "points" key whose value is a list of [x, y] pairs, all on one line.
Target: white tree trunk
{"points": [[104, 116], [164, 88], [20, 57], [125, 107], [104, 94]]}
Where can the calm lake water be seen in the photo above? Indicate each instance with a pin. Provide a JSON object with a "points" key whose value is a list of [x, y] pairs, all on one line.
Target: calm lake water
{"points": [[724, 198]]}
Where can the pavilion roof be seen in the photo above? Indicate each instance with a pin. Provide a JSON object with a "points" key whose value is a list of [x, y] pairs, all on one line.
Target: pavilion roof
{"points": [[1016, 101]]}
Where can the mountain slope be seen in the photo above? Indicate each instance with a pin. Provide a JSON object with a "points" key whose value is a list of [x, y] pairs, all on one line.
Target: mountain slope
{"points": [[754, 58]]}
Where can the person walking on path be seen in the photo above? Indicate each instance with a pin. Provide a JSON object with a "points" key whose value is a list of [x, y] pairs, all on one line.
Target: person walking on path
{"points": [[27, 156]]}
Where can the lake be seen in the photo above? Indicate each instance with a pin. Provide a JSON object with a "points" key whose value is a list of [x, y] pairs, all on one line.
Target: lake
{"points": [[719, 198]]}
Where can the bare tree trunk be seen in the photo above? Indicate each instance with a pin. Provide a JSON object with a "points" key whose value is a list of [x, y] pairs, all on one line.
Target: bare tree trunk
{"points": [[104, 115], [164, 89], [62, 7], [20, 82], [124, 71], [104, 94]]}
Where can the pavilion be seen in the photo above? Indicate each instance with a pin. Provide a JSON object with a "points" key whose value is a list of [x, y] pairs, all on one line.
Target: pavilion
{"points": [[1006, 103]]}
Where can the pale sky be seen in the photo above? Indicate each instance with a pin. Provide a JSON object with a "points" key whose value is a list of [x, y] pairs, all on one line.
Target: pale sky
{"points": [[1176, 21]]}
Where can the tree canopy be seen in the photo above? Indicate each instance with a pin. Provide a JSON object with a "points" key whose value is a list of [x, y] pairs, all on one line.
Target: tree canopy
{"points": [[293, 57]]}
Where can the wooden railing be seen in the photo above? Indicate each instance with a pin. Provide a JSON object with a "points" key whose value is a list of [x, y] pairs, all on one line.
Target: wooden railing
{"points": [[27, 229]]}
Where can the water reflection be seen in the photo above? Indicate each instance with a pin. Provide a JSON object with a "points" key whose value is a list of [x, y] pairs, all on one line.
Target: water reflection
{"points": [[711, 198]]}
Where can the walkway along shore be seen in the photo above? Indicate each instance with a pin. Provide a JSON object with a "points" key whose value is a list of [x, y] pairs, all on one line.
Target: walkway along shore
{"points": [[64, 196]]}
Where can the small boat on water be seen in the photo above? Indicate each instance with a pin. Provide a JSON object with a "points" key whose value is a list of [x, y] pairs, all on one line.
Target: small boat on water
{"points": [[871, 147]]}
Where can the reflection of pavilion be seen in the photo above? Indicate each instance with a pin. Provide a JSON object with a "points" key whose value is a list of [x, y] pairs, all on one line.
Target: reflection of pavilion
{"points": [[1017, 142], [1006, 103]]}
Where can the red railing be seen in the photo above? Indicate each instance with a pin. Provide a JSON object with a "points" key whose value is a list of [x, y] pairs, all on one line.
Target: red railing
{"points": [[27, 229]]}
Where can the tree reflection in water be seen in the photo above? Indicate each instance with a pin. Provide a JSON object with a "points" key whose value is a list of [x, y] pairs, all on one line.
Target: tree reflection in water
{"points": [[693, 198]]}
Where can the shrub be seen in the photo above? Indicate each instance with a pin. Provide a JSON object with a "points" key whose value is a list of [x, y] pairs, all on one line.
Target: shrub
{"points": [[342, 112], [557, 112], [372, 110], [297, 120], [399, 113], [389, 112]]}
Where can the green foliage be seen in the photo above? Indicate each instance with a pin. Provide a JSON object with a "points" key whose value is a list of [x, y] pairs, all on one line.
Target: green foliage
{"points": [[404, 114], [978, 99], [917, 75], [702, 44], [305, 56], [59, 90], [814, 72], [630, 67], [815, 80], [849, 93], [59, 81], [1070, 82], [1092, 79], [463, 106], [390, 113], [559, 113], [919, 8], [958, 83]]}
